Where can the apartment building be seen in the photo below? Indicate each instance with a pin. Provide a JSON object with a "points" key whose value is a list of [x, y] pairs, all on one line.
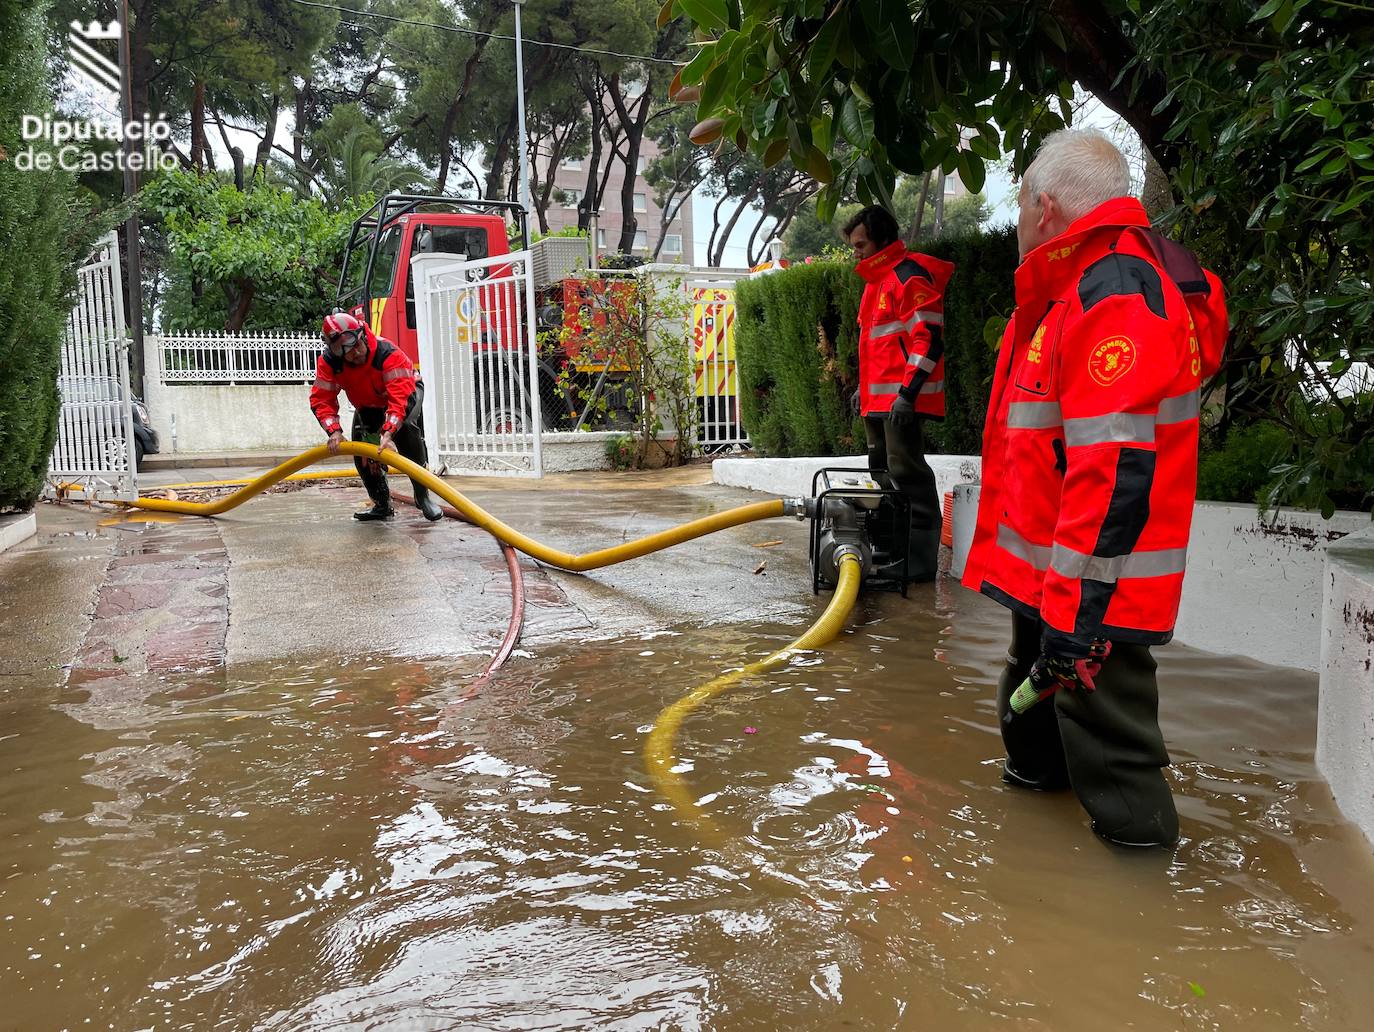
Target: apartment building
{"points": [[571, 179]]}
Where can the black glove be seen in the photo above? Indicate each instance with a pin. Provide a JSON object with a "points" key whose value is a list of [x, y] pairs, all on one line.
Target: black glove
{"points": [[1059, 667], [902, 413]]}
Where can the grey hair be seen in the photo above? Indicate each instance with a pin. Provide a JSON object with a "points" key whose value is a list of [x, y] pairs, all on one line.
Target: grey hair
{"points": [[1079, 168]]}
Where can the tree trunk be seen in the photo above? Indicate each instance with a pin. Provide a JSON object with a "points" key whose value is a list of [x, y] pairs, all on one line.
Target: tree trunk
{"points": [[633, 127], [913, 235], [1098, 51], [268, 135], [590, 200], [1156, 195], [745, 201], [496, 175], [451, 115], [198, 125], [238, 314]]}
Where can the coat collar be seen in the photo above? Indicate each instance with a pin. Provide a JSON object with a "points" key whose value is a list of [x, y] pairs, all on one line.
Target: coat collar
{"points": [[1048, 269], [876, 266]]}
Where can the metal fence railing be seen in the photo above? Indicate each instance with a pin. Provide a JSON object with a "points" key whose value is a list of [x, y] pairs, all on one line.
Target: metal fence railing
{"points": [[242, 357]]}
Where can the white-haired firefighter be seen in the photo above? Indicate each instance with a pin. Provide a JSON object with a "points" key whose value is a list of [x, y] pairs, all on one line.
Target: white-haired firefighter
{"points": [[1089, 478]]}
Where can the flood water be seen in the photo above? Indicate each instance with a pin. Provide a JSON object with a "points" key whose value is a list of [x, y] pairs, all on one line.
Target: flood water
{"points": [[306, 847]]}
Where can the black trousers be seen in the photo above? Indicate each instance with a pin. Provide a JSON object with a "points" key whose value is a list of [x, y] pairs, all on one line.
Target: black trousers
{"points": [[901, 452], [409, 438], [1106, 744]]}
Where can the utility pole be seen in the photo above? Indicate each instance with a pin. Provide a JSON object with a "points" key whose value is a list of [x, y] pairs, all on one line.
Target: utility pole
{"points": [[525, 198], [134, 266]]}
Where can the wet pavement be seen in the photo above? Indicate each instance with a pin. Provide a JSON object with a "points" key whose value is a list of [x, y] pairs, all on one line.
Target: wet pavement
{"points": [[246, 782]]}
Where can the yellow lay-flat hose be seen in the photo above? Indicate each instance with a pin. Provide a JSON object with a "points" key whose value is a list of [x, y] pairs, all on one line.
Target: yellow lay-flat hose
{"points": [[658, 749], [475, 514]]}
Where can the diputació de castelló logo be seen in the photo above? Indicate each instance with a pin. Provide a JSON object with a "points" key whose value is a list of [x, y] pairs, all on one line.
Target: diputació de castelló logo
{"points": [[72, 144]]}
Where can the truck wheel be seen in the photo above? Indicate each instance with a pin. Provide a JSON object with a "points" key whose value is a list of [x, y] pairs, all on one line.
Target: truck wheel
{"points": [[504, 418]]}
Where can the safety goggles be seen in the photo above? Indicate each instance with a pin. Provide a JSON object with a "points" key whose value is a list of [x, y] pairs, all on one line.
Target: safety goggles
{"points": [[342, 343]]}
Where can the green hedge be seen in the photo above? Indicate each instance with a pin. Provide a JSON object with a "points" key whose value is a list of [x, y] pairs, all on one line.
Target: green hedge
{"points": [[41, 225], [797, 348]]}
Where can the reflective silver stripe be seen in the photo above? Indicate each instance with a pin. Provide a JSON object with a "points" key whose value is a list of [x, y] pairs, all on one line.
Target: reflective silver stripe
{"points": [[1034, 415], [326, 385], [1037, 555], [887, 329], [921, 362], [931, 387], [1179, 409], [1069, 563], [1115, 428], [403, 373]]}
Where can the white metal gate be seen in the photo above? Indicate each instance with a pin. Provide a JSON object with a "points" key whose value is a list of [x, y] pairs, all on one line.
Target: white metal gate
{"points": [[713, 363], [95, 433], [476, 329]]}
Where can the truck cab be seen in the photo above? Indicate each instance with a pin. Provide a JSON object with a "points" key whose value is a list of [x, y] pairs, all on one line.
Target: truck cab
{"points": [[376, 284]]}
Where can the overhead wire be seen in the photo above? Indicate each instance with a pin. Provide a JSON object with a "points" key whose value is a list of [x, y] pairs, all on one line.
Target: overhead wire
{"points": [[464, 31]]}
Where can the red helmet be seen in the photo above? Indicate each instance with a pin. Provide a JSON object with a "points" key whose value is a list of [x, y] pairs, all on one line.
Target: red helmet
{"points": [[341, 332]]}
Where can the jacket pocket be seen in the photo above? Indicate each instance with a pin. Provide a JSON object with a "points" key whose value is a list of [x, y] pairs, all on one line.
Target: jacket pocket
{"points": [[1035, 364]]}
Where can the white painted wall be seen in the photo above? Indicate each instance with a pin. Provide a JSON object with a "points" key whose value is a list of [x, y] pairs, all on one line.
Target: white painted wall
{"points": [[1345, 707], [1253, 587], [16, 528], [792, 477], [235, 417]]}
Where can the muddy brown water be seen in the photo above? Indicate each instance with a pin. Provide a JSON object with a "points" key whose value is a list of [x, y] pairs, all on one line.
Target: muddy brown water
{"points": [[307, 847]]}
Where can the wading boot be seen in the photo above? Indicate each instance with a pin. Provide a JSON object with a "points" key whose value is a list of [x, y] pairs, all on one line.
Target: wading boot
{"points": [[379, 511], [426, 504], [377, 489], [923, 555]]}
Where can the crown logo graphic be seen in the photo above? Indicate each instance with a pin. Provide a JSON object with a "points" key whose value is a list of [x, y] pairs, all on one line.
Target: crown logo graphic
{"points": [[87, 59], [97, 31]]}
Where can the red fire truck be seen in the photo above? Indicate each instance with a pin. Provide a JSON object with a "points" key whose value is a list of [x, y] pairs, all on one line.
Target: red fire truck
{"points": [[377, 285]]}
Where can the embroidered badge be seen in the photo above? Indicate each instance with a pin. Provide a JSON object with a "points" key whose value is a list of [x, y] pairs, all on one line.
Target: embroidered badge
{"points": [[882, 302], [1111, 359], [1033, 355], [921, 294]]}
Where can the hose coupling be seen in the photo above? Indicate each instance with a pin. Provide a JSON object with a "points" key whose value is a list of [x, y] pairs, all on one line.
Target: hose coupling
{"points": [[801, 508], [847, 551]]}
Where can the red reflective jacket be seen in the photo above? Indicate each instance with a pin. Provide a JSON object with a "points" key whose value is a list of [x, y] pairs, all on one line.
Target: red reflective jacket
{"points": [[1090, 445], [385, 381], [901, 342]]}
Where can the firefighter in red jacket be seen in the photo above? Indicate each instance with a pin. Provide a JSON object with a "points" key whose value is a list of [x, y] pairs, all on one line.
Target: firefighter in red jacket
{"points": [[901, 369], [1089, 476], [386, 393]]}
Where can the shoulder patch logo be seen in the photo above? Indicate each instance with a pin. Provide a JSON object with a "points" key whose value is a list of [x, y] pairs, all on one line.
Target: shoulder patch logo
{"points": [[922, 294], [1111, 359]]}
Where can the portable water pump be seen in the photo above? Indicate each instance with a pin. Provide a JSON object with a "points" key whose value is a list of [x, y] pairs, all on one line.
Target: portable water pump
{"points": [[852, 513]]}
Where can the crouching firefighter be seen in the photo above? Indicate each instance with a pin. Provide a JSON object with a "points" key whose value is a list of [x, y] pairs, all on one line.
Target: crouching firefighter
{"points": [[1089, 476], [387, 395]]}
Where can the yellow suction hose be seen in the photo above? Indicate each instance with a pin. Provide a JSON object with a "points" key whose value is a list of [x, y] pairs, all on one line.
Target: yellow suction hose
{"points": [[475, 514], [658, 749]]}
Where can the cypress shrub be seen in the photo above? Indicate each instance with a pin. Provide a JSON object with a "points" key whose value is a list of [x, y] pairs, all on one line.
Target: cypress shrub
{"points": [[797, 342], [44, 235]]}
